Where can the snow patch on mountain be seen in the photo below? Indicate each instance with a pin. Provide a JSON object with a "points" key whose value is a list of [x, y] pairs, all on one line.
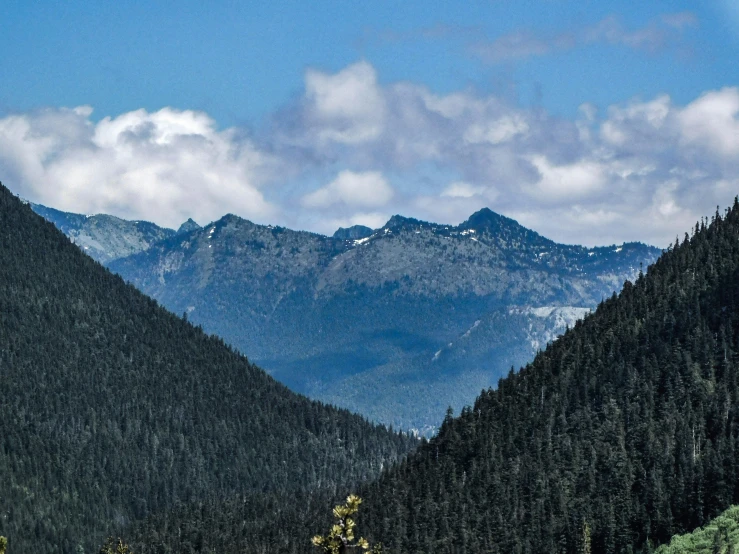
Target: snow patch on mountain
{"points": [[557, 320]]}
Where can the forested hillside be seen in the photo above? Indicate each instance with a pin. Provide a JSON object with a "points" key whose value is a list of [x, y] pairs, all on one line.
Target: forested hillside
{"points": [[113, 409], [629, 424], [621, 434]]}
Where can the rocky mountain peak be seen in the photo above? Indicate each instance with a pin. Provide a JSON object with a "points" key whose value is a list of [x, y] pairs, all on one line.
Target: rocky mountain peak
{"points": [[188, 226], [232, 218], [504, 228], [398, 222], [355, 232], [487, 219]]}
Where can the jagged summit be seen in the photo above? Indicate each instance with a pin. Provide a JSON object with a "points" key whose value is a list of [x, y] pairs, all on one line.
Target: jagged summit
{"points": [[232, 218], [482, 220], [355, 232], [487, 219], [505, 228], [399, 222], [187, 226]]}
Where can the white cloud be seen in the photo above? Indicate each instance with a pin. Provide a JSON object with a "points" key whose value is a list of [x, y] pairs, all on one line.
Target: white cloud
{"points": [[641, 170], [461, 189], [568, 183], [712, 123], [496, 132], [347, 107], [163, 166], [366, 190]]}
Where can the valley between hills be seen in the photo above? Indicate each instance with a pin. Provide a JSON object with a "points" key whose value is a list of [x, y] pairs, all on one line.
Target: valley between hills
{"points": [[378, 277], [121, 418]]}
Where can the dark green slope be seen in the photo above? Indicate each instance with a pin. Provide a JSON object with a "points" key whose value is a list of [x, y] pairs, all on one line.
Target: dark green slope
{"points": [[628, 424], [112, 408]]}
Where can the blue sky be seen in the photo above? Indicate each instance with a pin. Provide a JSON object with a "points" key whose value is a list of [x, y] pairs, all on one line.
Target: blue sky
{"points": [[239, 61], [430, 109]]}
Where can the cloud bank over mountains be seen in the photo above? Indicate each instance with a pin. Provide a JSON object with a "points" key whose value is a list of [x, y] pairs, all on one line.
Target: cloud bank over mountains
{"points": [[162, 166], [351, 149]]}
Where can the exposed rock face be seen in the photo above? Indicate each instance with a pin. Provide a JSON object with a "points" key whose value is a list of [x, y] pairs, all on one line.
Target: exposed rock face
{"points": [[106, 237]]}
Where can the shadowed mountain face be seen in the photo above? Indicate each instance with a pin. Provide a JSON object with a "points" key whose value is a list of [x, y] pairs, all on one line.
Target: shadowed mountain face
{"points": [[398, 324]]}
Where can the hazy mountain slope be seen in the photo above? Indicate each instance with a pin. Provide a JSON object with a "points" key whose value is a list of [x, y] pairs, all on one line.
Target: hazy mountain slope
{"points": [[359, 322], [113, 409], [106, 237]]}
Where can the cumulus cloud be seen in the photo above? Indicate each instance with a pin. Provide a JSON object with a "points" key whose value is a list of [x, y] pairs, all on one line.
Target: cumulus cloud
{"points": [[566, 183], [645, 169], [362, 190], [163, 166], [711, 123], [344, 108]]}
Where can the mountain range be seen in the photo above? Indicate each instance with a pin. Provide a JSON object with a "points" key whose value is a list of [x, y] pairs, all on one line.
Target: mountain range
{"points": [[397, 323]]}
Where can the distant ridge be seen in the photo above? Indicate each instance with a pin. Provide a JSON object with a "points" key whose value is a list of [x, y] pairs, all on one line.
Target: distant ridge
{"points": [[105, 237], [398, 323]]}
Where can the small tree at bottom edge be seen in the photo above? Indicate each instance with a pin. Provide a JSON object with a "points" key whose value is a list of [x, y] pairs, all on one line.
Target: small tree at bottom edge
{"points": [[340, 539]]}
